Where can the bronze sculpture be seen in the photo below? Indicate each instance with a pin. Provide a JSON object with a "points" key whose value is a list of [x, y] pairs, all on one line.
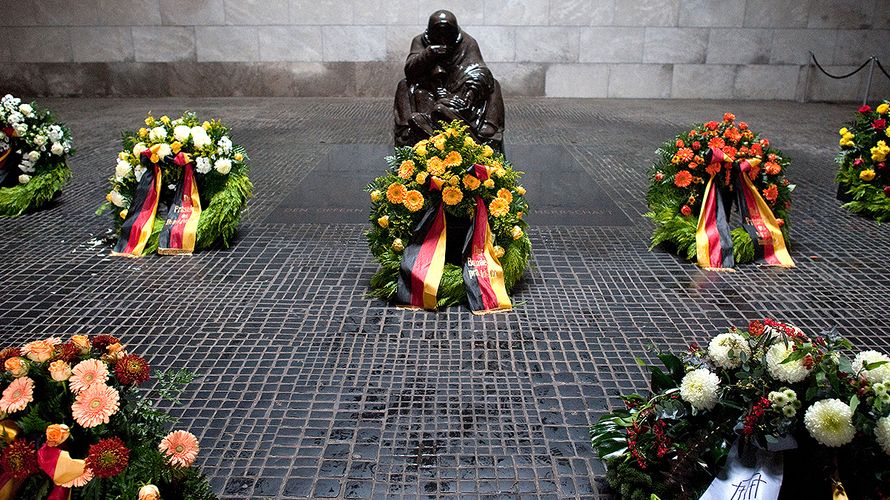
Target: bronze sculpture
{"points": [[446, 79]]}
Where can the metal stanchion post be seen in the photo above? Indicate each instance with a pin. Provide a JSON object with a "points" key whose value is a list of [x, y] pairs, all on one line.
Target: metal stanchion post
{"points": [[871, 72]]}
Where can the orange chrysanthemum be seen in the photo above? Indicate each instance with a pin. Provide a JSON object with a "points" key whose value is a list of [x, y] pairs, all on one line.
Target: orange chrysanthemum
{"points": [[396, 192], [452, 195], [717, 143], [772, 168], [435, 166], [453, 159], [471, 182], [18, 395], [499, 207], [505, 194], [87, 373], [95, 406], [406, 169], [180, 448], [771, 193], [413, 200], [685, 154], [683, 179]]}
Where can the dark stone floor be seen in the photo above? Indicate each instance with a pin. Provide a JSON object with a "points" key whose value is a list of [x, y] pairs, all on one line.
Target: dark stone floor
{"points": [[310, 389]]}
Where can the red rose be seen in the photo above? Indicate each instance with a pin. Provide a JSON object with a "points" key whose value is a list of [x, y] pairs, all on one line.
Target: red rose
{"points": [[696, 145], [743, 125], [881, 166], [680, 143], [764, 142], [780, 222], [886, 190], [879, 124], [857, 162], [711, 125], [686, 211], [659, 176], [865, 108]]}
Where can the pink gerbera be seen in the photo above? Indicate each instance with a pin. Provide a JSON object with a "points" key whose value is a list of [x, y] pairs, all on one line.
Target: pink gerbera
{"points": [[17, 396], [180, 447], [94, 405], [87, 373]]}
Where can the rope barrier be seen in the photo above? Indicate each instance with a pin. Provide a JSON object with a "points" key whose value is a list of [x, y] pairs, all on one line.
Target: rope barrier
{"points": [[840, 77], [881, 67]]}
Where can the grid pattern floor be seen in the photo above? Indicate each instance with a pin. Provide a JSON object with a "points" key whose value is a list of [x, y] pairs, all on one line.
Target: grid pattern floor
{"points": [[308, 388]]}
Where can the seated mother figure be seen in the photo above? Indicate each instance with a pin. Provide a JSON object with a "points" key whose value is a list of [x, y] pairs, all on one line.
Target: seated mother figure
{"points": [[446, 79]]}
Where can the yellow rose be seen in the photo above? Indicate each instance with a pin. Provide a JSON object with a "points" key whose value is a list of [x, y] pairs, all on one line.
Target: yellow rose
{"points": [[489, 183], [143, 132], [517, 232], [454, 180], [205, 125], [82, 342], [56, 434], [175, 147], [239, 157], [420, 178], [469, 142], [867, 175], [17, 366], [450, 132], [421, 151], [60, 370], [487, 151], [440, 143], [500, 172], [883, 108], [520, 190], [376, 195], [397, 245], [149, 492], [519, 214], [124, 213], [383, 221], [498, 251]]}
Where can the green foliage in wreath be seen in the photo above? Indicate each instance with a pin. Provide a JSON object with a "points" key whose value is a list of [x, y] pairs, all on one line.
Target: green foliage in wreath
{"points": [[36, 148], [679, 176], [863, 175], [221, 172], [400, 197]]}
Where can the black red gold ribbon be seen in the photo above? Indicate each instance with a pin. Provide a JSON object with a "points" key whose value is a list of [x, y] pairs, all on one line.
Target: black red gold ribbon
{"points": [[181, 227], [423, 261], [483, 274], [140, 220], [712, 237]]}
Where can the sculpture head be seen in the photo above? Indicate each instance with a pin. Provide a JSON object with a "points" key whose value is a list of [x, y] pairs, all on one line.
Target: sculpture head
{"points": [[443, 29]]}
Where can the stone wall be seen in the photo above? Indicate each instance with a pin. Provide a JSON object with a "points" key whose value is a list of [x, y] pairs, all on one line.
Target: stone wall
{"points": [[745, 49]]}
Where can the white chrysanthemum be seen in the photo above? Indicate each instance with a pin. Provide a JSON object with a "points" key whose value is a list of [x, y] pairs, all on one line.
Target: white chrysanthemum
{"points": [[699, 388], [158, 134], [878, 374], [882, 433], [199, 137], [202, 165], [726, 349], [182, 132], [24, 179], [791, 372], [122, 169], [830, 422], [223, 166], [117, 199]]}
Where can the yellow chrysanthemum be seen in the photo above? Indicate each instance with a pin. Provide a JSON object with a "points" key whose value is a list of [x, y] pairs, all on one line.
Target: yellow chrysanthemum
{"points": [[413, 200], [406, 169], [843, 131], [883, 108], [867, 175], [396, 192], [499, 207], [452, 195], [143, 132], [880, 151], [435, 166], [505, 194], [471, 182], [489, 183], [376, 196], [453, 159]]}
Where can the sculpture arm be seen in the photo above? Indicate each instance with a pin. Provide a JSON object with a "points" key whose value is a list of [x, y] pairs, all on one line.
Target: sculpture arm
{"points": [[420, 61]]}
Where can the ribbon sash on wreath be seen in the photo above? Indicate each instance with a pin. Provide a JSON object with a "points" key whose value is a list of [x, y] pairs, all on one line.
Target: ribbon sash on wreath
{"points": [[61, 468], [712, 237], [181, 227], [179, 232], [423, 261]]}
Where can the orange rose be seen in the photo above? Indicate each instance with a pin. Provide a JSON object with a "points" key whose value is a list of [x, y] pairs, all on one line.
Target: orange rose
{"points": [[56, 434], [115, 352], [60, 370], [17, 366], [82, 342], [149, 492], [39, 350]]}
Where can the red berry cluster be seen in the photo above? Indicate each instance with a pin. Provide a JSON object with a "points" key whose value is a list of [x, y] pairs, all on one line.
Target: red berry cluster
{"points": [[754, 415]]}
